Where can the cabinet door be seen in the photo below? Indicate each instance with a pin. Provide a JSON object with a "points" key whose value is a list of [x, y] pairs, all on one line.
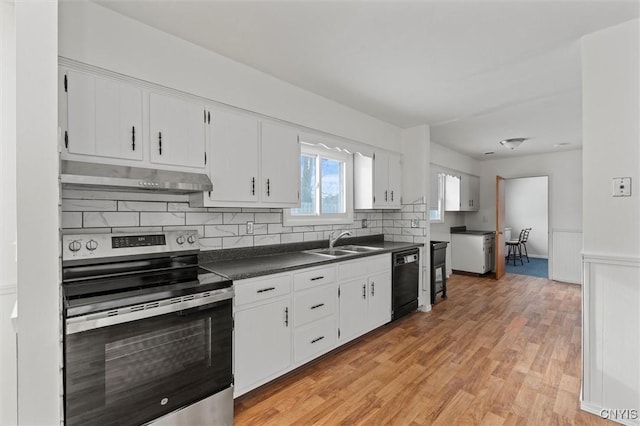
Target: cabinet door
{"points": [[469, 193], [104, 117], [474, 193], [280, 150], [452, 195], [395, 180], [381, 180], [379, 299], [234, 157], [177, 131], [262, 342], [353, 308]]}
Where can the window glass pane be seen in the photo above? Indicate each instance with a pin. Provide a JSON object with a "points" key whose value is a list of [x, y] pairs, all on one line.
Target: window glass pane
{"points": [[332, 184], [308, 186]]}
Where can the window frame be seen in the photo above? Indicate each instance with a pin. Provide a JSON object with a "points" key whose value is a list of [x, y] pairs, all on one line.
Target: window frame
{"points": [[440, 177], [335, 154]]}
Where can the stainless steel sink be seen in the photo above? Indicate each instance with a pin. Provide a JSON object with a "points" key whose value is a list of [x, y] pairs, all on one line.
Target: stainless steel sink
{"points": [[331, 252], [359, 249], [349, 250]]}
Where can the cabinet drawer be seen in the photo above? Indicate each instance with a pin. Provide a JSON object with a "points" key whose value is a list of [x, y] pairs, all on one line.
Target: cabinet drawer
{"points": [[314, 338], [314, 277], [314, 304], [250, 291], [379, 263], [352, 269]]}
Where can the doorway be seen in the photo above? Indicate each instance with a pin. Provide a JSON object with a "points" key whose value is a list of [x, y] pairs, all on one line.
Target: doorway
{"points": [[526, 202]]}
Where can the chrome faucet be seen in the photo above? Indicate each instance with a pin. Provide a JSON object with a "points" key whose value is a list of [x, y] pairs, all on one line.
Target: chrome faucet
{"points": [[332, 240]]}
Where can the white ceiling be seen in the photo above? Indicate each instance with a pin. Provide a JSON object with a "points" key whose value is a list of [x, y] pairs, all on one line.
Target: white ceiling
{"points": [[476, 71]]}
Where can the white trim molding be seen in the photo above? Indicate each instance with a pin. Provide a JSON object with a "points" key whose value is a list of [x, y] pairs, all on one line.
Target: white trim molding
{"points": [[8, 289]]}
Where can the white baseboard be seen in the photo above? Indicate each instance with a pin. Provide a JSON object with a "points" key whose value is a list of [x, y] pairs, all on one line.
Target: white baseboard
{"points": [[424, 308]]}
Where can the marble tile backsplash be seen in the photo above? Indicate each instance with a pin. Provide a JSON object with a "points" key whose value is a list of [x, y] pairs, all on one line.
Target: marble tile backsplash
{"points": [[219, 228], [409, 224]]}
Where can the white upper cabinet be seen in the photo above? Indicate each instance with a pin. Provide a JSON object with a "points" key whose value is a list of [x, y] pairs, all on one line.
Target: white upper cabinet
{"points": [[177, 134], [234, 157], [470, 193], [253, 162], [462, 192], [378, 181], [104, 117], [280, 152]]}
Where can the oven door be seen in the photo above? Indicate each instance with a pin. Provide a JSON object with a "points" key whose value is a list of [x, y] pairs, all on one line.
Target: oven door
{"points": [[135, 367]]}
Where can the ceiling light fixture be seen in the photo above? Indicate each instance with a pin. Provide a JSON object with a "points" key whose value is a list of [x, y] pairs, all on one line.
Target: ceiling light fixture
{"points": [[512, 143]]}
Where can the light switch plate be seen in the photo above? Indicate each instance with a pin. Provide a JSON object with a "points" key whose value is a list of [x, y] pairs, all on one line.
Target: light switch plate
{"points": [[364, 223], [622, 187], [249, 227]]}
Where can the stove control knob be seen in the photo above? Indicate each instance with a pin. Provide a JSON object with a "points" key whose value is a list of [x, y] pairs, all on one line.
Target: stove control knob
{"points": [[191, 239], [180, 240], [92, 245], [75, 245]]}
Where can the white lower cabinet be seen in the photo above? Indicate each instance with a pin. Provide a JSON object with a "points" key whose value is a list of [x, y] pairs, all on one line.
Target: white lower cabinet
{"points": [[365, 301], [263, 342], [262, 330], [354, 308], [284, 320]]}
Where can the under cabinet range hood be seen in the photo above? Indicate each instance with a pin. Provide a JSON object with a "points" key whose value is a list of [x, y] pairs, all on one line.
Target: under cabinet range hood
{"points": [[81, 175]]}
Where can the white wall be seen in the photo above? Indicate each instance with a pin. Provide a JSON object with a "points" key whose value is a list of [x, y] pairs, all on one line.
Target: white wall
{"points": [[39, 326], [564, 170], [526, 206], [448, 158], [97, 36], [416, 151], [611, 303], [8, 265]]}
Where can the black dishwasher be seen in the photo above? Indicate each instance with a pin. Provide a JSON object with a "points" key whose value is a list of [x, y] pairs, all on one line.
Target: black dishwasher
{"points": [[404, 290]]}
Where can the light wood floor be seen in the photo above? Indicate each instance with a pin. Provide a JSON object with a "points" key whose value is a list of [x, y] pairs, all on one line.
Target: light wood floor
{"points": [[494, 352]]}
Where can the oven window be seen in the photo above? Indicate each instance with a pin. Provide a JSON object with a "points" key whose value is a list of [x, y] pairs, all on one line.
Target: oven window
{"points": [[152, 357]]}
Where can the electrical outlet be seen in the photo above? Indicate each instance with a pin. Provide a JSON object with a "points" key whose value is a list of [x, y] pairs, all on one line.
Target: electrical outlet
{"points": [[622, 187], [249, 227], [364, 223], [414, 223]]}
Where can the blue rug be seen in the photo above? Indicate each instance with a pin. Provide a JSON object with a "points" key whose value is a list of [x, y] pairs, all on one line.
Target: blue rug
{"points": [[536, 267]]}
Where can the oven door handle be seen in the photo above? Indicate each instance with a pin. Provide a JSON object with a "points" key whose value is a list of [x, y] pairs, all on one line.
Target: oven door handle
{"points": [[146, 310]]}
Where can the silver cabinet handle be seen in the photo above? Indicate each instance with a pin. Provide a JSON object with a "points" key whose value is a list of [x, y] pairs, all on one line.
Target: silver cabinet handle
{"points": [[286, 317], [264, 290], [319, 305], [316, 278], [373, 288], [317, 339], [364, 291]]}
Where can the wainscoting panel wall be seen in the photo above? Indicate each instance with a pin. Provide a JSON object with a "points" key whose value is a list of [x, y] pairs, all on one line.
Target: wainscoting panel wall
{"points": [[566, 255], [611, 331]]}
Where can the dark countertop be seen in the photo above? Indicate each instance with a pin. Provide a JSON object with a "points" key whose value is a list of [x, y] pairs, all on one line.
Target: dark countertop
{"points": [[257, 265], [464, 230], [475, 232]]}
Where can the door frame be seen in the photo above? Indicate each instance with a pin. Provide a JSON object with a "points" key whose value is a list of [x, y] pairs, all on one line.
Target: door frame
{"points": [[549, 221]]}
